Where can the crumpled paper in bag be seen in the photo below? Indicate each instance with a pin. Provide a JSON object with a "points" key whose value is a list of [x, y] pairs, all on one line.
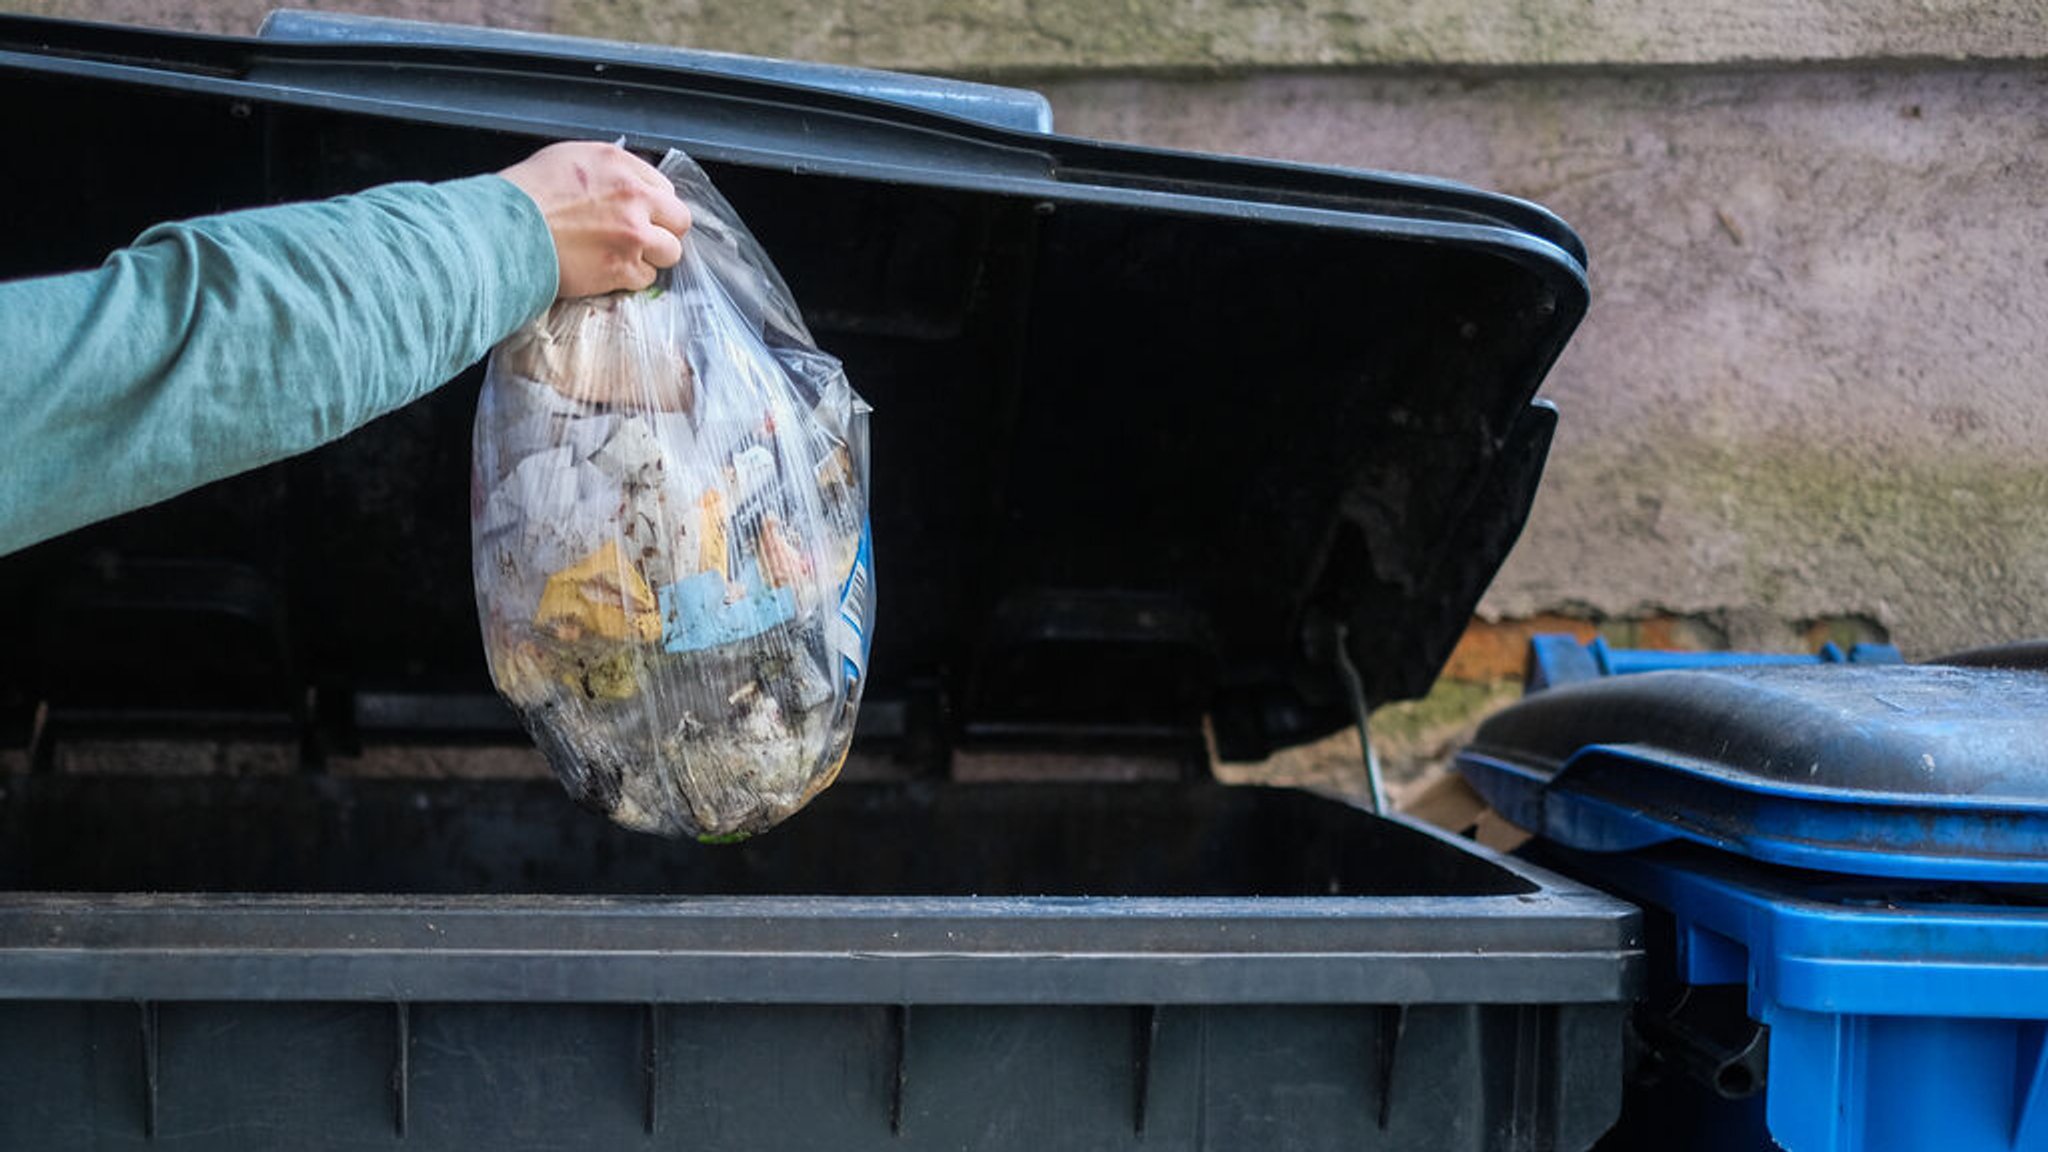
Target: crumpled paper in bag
{"points": [[670, 540]]}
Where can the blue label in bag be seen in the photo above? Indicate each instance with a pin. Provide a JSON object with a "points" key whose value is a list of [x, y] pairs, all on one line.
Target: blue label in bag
{"points": [[850, 629]]}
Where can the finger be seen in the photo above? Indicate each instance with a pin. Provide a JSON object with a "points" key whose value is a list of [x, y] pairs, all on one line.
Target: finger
{"points": [[660, 248], [641, 275], [669, 212]]}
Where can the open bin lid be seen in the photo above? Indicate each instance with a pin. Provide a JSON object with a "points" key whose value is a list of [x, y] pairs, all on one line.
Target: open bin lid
{"points": [[1153, 429], [1017, 108], [1927, 772]]}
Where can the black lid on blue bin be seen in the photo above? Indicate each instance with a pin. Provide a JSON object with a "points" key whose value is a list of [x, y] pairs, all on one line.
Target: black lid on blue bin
{"points": [[1913, 771]]}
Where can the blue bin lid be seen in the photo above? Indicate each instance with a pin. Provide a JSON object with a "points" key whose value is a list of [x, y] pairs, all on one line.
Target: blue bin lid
{"points": [[1840, 945], [1936, 773]]}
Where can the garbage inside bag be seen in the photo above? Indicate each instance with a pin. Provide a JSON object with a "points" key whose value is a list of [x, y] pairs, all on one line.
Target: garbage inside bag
{"points": [[670, 539]]}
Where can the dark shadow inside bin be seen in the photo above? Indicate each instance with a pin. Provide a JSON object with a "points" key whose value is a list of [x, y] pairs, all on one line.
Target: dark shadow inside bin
{"points": [[300, 834]]}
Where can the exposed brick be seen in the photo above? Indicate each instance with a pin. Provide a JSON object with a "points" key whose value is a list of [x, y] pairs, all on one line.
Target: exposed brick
{"points": [[1493, 650]]}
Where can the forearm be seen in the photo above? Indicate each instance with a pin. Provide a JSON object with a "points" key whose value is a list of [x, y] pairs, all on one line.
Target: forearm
{"points": [[215, 346]]}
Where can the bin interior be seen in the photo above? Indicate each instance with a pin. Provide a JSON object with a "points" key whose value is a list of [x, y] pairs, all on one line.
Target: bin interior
{"points": [[300, 834]]}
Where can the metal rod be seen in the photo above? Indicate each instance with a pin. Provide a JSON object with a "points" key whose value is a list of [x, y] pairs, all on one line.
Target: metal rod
{"points": [[1361, 716]]}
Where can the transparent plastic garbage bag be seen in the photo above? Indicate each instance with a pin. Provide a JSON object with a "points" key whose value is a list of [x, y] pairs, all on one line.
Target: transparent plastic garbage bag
{"points": [[670, 542]]}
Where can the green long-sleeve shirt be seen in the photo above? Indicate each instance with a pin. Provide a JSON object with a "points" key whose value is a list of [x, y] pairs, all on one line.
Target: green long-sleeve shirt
{"points": [[216, 345]]}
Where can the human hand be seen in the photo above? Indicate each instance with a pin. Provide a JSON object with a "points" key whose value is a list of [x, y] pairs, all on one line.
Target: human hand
{"points": [[615, 219]]}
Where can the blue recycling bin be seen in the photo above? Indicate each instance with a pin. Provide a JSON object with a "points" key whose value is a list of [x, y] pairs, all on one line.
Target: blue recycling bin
{"points": [[1859, 847]]}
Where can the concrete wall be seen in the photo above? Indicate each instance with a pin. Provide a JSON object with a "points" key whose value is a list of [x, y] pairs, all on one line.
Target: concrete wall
{"points": [[1812, 382], [997, 36], [1809, 397]]}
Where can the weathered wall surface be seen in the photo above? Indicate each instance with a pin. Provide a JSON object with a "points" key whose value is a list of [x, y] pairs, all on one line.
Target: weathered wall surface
{"points": [[1811, 388], [1814, 382], [993, 36]]}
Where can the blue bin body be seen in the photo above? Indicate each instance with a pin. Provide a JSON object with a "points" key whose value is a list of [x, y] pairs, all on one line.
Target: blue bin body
{"points": [[1900, 1021], [1861, 846]]}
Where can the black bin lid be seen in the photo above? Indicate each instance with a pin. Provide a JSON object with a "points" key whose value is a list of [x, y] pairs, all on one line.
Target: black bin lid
{"points": [[1927, 772], [1153, 429]]}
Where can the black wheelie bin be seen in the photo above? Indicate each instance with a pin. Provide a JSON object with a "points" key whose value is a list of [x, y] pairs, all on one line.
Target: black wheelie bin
{"points": [[1172, 453]]}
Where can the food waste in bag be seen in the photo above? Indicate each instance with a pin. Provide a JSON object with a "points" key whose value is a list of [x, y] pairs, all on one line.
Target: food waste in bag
{"points": [[670, 538]]}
